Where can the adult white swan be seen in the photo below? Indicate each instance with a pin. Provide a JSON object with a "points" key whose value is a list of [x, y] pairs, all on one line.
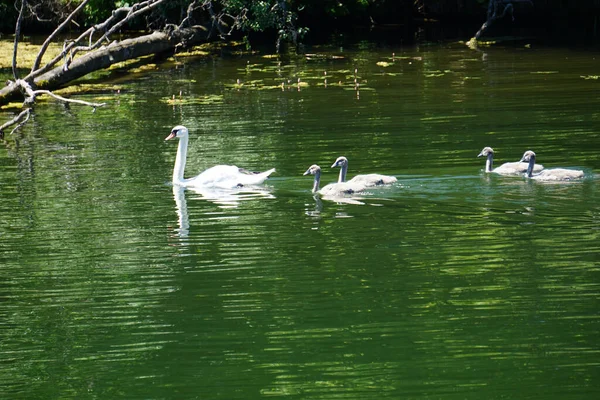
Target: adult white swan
{"points": [[367, 180], [550, 175], [332, 189], [220, 176], [509, 168]]}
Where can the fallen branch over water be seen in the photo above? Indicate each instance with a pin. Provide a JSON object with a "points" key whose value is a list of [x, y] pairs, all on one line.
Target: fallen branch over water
{"points": [[87, 53], [497, 9]]}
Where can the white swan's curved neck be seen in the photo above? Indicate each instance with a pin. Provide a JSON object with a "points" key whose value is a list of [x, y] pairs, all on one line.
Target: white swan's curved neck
{"points": [[489, 163], [317, 182], [343, 170], [180, 160]]}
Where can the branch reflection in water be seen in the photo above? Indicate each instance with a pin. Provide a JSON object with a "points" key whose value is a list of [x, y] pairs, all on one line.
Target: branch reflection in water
{"points": [[223, 198]]}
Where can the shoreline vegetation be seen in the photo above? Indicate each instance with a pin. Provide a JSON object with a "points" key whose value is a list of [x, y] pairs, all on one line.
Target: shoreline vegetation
{"points": [[117, 36]]}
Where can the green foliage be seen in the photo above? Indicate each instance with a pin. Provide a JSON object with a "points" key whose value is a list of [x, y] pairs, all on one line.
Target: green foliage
{"points": [[98, 10]]}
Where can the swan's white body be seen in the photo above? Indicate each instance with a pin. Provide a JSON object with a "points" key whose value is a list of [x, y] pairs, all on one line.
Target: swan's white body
{"points": [[366, 180], [509, 168], [550, 175], [219, 176], [332, 189]]}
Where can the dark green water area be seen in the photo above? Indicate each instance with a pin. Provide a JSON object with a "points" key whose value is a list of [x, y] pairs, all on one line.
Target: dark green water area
{"points": [[450, 284]]}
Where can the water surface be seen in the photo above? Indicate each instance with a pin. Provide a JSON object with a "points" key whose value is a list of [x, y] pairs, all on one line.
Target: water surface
{"points": [[449, 284]]}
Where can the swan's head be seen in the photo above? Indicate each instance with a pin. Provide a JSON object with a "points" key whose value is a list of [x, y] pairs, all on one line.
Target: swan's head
{"points": [[486, 151], [528, 156], [178, 132], [313, 170], [340, 162]]}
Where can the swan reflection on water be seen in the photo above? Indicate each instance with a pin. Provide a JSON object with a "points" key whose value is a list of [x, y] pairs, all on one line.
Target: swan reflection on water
{"points": [[223, 198], [317, 211]]}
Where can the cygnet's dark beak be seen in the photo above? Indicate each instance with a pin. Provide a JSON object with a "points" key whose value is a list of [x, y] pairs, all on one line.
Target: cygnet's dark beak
{"points": [[307, 172], [480, 154]]}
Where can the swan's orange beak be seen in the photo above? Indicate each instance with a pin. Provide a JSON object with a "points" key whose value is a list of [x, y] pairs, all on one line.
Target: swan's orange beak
{"points": [[171, 136]]}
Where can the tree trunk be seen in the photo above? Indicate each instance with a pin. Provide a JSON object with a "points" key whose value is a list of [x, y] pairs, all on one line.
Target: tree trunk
{"points": [[154, 43]]}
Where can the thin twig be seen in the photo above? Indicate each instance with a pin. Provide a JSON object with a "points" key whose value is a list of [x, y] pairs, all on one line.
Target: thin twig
{"points": [[17, 34], [46, 43], [64, 99], [188, 18], [32, 94], [73, 48], [132, 12], [23, 114]]}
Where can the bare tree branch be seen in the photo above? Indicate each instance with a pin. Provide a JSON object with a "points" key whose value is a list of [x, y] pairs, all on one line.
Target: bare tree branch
{"points": [[33, 10], [17, 34], [46, 43], [132, 12], [18, 119], [107, 26], [100, 52], [30, 99], [188, 18], [493, 13], [32, 94]]}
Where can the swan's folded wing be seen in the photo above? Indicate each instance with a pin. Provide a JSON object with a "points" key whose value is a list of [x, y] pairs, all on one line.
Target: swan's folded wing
{"points": [[373, 179]]}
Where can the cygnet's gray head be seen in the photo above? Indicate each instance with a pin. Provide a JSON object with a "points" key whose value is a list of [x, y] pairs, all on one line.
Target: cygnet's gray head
{"points": [[340, 162], [177, 132], [486, 151], [313, 170], [528, 156]]}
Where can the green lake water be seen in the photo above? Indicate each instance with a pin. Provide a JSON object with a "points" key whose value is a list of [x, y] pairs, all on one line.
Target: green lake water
{"points": [[450, 284]]}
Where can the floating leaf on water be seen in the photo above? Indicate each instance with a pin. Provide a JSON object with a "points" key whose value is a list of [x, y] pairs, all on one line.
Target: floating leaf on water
{"points": [[12, 106], [544, 72], [360, 89], [143, 68], [384, 64], [193, 53], [388, 74], [590, 76], [269, 87], [204, 100], [317, 56]]}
